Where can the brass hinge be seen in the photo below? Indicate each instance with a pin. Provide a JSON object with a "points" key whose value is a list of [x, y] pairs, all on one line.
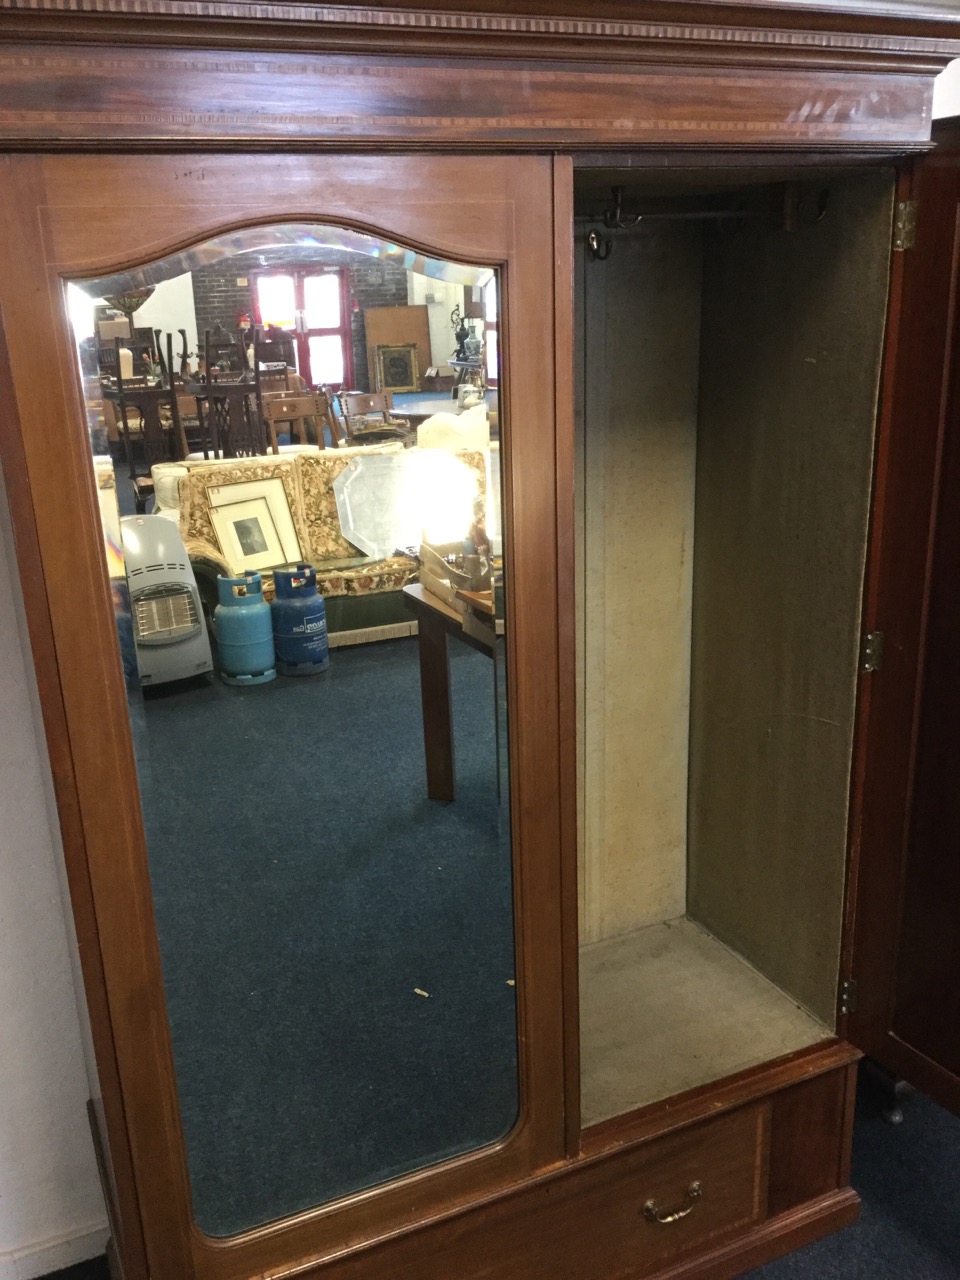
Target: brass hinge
{"points": [[871, 651], [848, 996], [905, 225]]}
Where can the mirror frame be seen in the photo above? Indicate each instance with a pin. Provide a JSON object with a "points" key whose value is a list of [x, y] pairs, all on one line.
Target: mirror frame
{"points": [[513, 213]]}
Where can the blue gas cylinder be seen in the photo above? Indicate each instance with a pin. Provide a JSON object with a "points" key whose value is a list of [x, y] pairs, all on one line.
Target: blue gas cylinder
{"points": [[244, 633], [299, 622]]}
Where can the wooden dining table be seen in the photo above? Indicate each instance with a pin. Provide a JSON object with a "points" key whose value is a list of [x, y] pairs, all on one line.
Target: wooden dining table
{"points": [[436, 620]]}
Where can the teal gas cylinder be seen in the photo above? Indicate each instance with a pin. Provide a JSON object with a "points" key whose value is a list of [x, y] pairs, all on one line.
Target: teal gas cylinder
{"points": [[299, 622], [244, 632]]}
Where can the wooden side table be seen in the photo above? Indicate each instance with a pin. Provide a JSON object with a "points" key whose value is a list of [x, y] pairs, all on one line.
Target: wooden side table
{"points": [[436, 621]]}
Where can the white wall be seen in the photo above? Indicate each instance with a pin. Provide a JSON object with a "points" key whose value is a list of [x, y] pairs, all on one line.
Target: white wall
{"points": [[446, 296], [946, 91], [169, 309], [51, 1209]]}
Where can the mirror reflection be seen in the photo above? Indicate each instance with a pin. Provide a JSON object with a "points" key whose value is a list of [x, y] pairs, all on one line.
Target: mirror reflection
{"points": [[295, 434]]}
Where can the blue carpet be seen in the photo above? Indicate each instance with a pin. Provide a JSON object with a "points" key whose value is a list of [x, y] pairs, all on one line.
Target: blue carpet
{"points": [[909, 1227], [305, 888]]}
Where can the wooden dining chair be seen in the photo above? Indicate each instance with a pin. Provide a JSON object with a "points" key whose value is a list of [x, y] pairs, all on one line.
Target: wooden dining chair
{"points": [[274, 348], [360, 410], [296, 410], [160, 436], [224, 354], [229, 409]]}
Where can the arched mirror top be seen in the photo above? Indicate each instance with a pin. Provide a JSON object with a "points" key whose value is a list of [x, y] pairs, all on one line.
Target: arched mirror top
{"points": [[312, 237]]}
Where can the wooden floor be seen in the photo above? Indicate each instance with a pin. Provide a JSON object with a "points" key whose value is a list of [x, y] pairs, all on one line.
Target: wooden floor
{"points": [[668, 1008]]}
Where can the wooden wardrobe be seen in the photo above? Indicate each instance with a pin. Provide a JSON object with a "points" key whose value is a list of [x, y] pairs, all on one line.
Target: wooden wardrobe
{"points": [[907, 1016], [716, 503]]}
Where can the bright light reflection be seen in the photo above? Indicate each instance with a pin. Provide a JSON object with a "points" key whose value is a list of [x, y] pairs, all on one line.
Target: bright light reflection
{"points": [[326, 359], [81, 308], [276, 297], [321, 300], [444, 489]]}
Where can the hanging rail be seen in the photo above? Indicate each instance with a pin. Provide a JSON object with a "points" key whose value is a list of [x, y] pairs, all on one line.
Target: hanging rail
{"points": [[793, 213]]}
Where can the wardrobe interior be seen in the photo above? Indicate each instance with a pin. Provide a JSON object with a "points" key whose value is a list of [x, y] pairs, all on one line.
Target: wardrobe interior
{"points": [[728, 348]]}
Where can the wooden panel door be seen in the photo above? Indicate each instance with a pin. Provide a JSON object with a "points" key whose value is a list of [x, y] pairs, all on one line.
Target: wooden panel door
{"points": [[69, 217], [906, 963]]}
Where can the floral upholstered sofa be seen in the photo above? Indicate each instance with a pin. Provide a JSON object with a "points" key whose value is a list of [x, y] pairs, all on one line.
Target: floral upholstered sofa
{"points": [[362, 595]]}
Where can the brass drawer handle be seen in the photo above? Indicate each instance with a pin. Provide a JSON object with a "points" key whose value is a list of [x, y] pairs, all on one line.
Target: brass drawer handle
{"points": [[653, 1214]]}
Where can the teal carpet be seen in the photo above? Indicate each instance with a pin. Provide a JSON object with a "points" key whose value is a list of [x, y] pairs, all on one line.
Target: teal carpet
{"points": [[306, 890], [909, 1228]]}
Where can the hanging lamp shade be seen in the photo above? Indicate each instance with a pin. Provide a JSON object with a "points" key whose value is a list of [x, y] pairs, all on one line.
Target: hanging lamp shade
{"points": [[130, 300]]}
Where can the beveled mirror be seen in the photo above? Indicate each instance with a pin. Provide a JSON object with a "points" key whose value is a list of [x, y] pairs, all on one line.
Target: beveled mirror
{"points": [[325, 796]]}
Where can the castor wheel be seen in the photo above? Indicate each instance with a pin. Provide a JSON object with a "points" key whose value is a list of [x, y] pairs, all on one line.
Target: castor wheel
{"points": [[888, 1092]]}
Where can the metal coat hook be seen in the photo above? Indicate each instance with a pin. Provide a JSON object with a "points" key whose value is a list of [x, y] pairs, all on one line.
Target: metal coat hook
{"points": [[599, 249], [800, 209], [615, 217]]}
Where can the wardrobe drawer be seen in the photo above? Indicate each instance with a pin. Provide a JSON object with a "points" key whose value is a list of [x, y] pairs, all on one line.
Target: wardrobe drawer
{"points": [[596, 1222], [680, 1191]]}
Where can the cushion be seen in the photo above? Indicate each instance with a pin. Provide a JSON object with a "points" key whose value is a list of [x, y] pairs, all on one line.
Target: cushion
{"points": [[166, 487], [455, 432]]}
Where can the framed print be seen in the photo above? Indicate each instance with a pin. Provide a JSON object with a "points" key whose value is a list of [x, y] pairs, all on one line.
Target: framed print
{"points": [[272, 490], [248, 536], [397, 368]]}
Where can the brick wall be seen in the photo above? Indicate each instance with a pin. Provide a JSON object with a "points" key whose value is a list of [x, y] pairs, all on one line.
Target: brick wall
{"points": [[218, 299]]}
